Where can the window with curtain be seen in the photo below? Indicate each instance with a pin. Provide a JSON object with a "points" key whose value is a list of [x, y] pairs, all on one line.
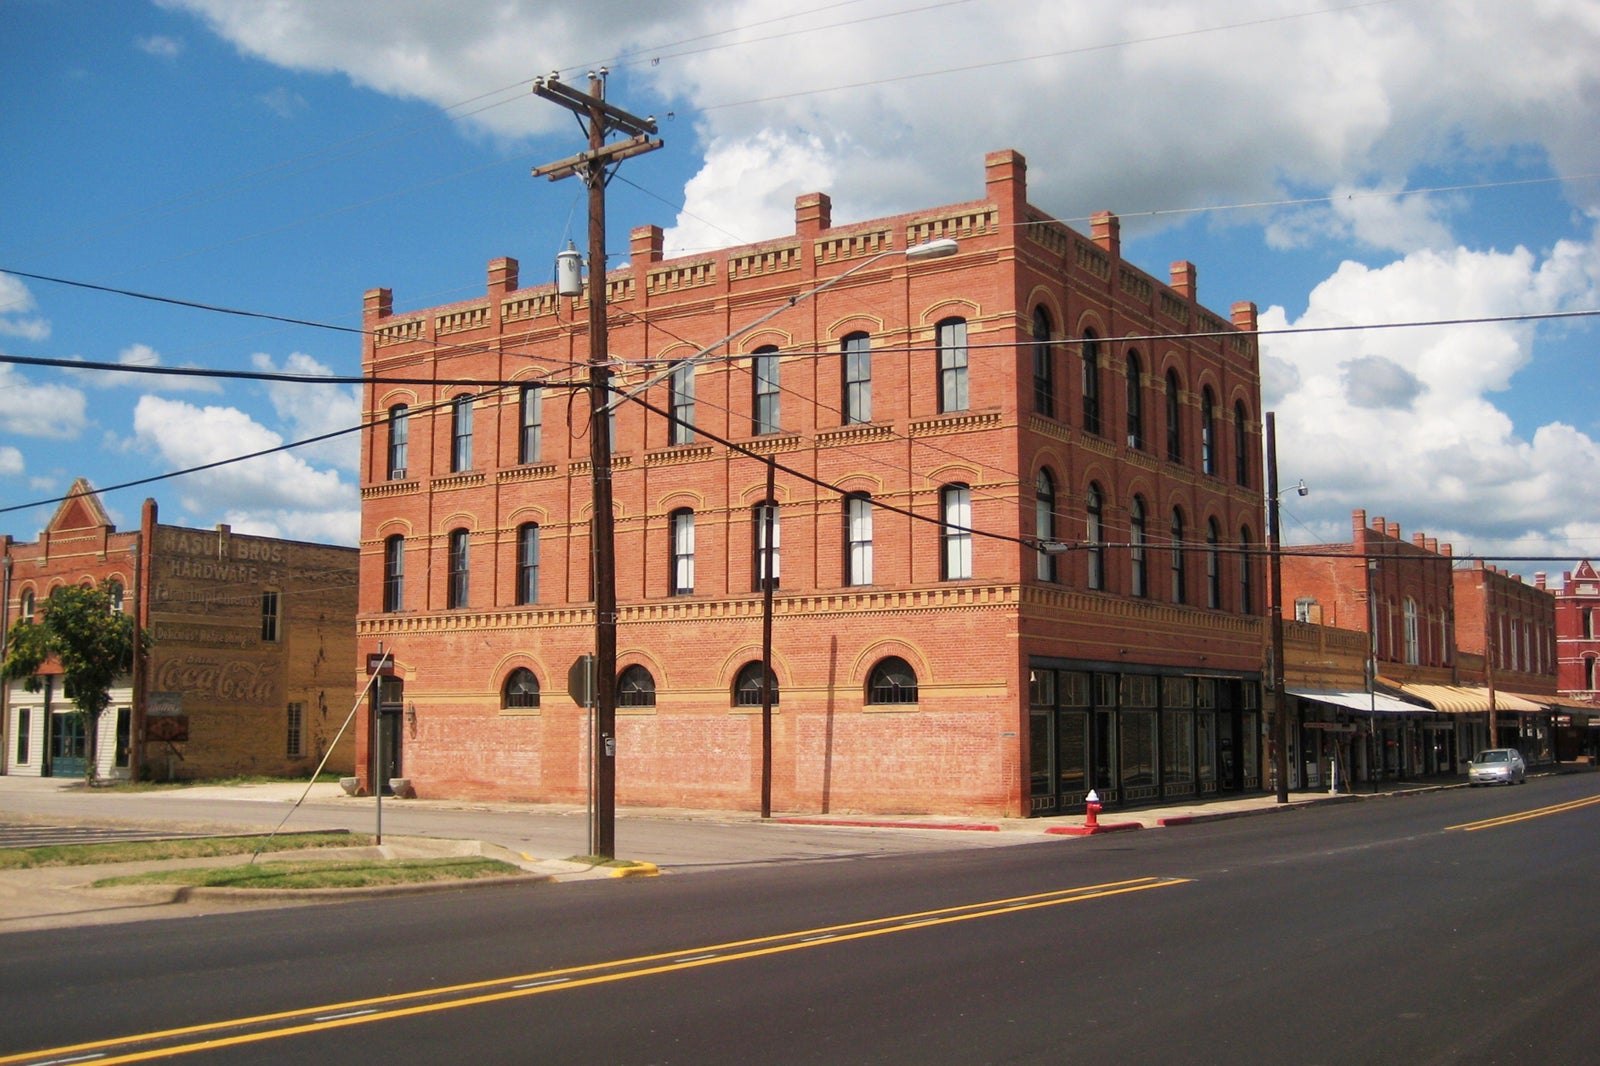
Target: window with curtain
{"points": [[682, 576], [765, 565], [952, 334], [955, 506], [858, 539]]}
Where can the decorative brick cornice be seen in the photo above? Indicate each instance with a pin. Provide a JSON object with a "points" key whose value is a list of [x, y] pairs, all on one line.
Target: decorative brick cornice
{"points": [[854, 434], [463, 480], [389, 488], [956, 423], [536, 472], [679, 454]]}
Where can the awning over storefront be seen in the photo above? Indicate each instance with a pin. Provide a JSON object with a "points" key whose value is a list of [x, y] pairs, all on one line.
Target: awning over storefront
{"points": [[1469, 699], [1366, 702]]}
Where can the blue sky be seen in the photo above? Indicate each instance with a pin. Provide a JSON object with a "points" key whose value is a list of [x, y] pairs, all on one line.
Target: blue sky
{"points": [[1406, 160]]}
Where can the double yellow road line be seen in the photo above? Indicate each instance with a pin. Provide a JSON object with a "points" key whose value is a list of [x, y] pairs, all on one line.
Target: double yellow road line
{"points": [[1523, 816], [255, 1029]]}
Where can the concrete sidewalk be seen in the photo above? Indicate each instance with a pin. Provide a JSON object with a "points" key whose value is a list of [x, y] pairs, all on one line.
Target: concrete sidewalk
{"points": [[60, 896]]}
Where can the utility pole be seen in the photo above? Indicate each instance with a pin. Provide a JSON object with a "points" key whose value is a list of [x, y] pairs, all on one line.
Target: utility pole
{"points": [[599, 120]]}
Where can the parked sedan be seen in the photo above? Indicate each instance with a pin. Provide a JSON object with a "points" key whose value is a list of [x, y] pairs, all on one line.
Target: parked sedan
{"points": [[1497, 766]]}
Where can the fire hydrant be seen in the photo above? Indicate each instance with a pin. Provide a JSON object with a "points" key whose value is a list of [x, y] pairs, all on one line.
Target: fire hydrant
{"points": [[1091, 810]]}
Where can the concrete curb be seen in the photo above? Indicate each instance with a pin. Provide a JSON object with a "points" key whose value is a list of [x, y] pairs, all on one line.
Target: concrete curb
{"points": [[864, 823], [161, 894]]}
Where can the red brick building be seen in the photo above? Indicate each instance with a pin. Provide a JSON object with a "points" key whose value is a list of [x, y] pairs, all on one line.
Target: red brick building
{"points": [[1577, 636], [934, 423], [247, 671], [1467, 646]]}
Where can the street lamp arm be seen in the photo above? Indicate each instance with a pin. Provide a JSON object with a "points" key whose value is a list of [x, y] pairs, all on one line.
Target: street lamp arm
{"points": [[938, 249]]}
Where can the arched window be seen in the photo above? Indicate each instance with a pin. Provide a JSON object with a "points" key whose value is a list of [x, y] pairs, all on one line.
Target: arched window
{"points": [[1044, 375], [1044, 522], [857, 352], [1208, 431], [1135, 402], [461, 433], [394, 573], [114, 594], [858, 539], [527, 563], [764, 390], [1246, 566], [763, 516], [1094, 504], [1136, 536], [456, 585], [636, 688], [522, 689], [1180, 589], [747, 686], [1241, 445], [28, 608], [1588, 674], [530, 409], [892, 681], [681, 430], [1213, 566], [1091, 382], [681, 580], [1174, 418], [399, 432], [952, 334], [955, 532], [1588, 623]]}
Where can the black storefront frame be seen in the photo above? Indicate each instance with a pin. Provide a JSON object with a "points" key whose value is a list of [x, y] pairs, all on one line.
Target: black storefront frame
{"points": [[1085, 706]]}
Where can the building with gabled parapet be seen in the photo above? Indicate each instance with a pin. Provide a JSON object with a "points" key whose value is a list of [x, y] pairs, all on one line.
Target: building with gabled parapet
{"points": [[1016, 510], [1577, 611], [246, 669]]}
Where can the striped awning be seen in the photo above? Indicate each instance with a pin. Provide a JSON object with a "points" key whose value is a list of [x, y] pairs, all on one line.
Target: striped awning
{"points": [[1469, 699]]}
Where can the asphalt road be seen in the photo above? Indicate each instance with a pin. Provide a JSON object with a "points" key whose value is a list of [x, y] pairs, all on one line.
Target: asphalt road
{"points": [[1450, 927]]}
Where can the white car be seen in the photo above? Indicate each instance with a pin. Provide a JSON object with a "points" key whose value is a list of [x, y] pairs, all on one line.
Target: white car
{"points": [[1497, 766]]}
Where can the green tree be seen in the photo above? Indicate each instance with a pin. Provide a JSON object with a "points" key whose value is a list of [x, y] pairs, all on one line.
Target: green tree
{"points": [[81, 629]]}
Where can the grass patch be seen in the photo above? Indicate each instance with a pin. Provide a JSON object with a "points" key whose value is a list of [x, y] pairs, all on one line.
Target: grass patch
{"points": [[150, 850], [284, 874]]}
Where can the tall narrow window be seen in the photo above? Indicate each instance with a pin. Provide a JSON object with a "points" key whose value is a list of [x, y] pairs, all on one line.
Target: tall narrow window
{"points": [[682, 577], [1044, 522], [1135, 402], [1094, 504], [530, 408], [1208, 432], [1412, 642], [1140, 575], [764, 406], [955, 504], [456, 584], [1241, 445], [1213, 567], [294, 740], [1588, 685], [682, 428], [1044, 377], [394, 573], [858, 539], [461, 434], [25, 730], [1588, 623], [1174, 418], [857, 379], [1180, 590], [527, 563], [953, 364], [764, 522], [1247, 600], [271, 616], [399, 433], [1091, 382]]}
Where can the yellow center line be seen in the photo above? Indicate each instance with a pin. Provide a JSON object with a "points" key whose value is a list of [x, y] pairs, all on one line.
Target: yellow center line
{"points": [[363, 1011], [1523, 816]]}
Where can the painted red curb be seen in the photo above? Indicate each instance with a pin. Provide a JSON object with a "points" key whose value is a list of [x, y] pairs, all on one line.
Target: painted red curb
{"points": [[1088, 831], [971, 828]]}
